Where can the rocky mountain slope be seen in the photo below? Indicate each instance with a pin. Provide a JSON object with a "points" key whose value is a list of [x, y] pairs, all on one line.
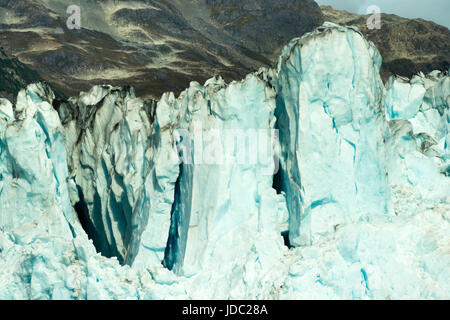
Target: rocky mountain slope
{"points": [[158, 45], [407, 46], [154, 46], [14, 76]]}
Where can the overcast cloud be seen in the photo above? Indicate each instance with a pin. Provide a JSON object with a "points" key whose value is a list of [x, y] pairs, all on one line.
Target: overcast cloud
{"points": [[435, 10]]}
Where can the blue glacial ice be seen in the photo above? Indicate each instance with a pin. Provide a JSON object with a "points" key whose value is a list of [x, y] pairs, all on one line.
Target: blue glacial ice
{"points": [[120, 178], [108, 196], [333, 157]]}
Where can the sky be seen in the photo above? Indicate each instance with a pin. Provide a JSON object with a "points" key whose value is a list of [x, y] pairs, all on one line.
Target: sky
{"points": [[434, 10]]}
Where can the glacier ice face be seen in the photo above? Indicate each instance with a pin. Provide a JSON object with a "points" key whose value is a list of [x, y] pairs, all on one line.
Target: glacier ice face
{"points": [[123, 183], [223, 203], [45, 253], [332, 132], [174, 209], [59, 269], [406, 258], [419, 149], [403, 98], [34, 194]]}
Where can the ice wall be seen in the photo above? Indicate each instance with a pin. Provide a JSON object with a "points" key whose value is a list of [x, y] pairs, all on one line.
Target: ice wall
{"points": [[44, 251], [121, 171], [332, 131], [34, 198], [419, 155], [226, 216], [408, 255]]}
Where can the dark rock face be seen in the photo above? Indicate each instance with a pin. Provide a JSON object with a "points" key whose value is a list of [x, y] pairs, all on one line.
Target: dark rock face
{"points": [[264, 26], [14, 76], [154, 46], [407, 46]]}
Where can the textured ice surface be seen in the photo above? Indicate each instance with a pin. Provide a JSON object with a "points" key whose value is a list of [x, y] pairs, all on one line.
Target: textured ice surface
{"points": [[226, 215], [332, 131], [34, 198], [95, 203], [45, 254], [120, 173], [419, 142]]}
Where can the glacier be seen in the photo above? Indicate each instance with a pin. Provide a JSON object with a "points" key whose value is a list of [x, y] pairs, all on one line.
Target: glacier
{"points": [[312, 180], [334, 163]]}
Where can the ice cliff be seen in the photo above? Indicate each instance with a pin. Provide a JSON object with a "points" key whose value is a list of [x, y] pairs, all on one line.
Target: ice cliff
{"points": [[311, 180], [333, 144]]}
